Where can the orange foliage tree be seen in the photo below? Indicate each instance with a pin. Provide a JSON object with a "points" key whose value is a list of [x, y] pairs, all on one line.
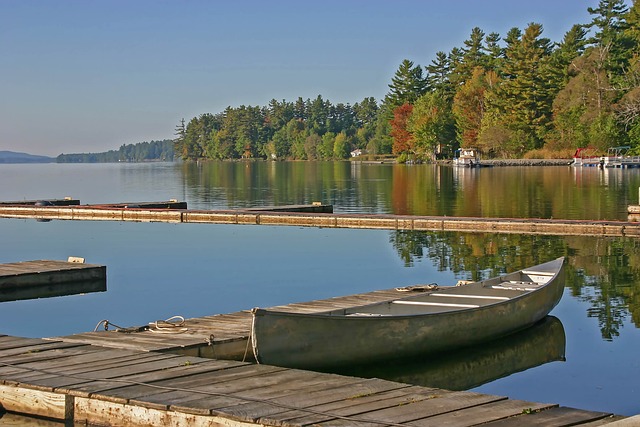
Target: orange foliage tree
{"points": [[403, 141]]}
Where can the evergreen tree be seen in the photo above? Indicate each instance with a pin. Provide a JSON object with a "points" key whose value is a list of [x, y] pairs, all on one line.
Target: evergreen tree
{"points": [[407, 85], [179, 140], [523, 101], [473, 56], [495, 53], [611, 38], [438, 75]]}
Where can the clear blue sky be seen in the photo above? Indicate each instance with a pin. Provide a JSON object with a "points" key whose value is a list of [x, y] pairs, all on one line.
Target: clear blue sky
{"points": [[89, 76]]}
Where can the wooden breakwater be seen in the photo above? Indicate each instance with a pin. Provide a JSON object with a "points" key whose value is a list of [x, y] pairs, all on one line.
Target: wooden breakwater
{"points": [[328, 220]]}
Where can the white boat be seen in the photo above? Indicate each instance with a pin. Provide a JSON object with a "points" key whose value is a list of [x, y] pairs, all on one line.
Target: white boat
{"points": [[466, 157], [422, 322], [586, 157]]}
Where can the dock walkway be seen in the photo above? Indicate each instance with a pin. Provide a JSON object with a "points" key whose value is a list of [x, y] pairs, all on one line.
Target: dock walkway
{"points": [[220, 336], [81, 383]]}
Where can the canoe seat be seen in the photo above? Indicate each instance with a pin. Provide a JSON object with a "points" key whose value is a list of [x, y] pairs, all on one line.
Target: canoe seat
{"points": [[436, 304], [518, 286], [470, 296], [368, 314]]}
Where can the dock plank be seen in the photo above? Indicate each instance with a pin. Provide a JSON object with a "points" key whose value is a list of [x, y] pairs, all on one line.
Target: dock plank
{"points": [[482, 414], [556, 416], [355, 405]]}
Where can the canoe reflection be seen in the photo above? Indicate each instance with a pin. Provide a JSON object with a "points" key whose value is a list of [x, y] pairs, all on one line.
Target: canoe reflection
{"points": [[471, 367]]}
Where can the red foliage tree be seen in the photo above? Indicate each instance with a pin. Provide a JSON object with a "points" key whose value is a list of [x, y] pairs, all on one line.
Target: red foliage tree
{"points": [[403, 140]]}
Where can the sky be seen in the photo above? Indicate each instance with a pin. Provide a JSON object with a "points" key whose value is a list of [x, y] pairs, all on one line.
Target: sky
{"points": [[90, 75]]}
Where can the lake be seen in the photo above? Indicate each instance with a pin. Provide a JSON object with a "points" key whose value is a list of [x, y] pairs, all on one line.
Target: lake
{"points": [[584, 356]]}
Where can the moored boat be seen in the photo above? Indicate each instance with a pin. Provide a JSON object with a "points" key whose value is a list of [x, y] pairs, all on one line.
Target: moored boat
{"points": [[420, 323], [586, 156], [466, 157]]}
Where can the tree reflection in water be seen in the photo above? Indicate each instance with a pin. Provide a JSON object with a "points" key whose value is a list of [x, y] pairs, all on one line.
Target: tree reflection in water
{"points": [[604, 272]]}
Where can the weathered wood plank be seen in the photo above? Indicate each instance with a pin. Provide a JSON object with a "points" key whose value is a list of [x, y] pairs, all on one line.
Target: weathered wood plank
{"points": [[169, 387], [557, 416], [438, 404], [257, 403], [324, 404], [33, 402], [481, 414], [220, 383], [189, 367], [349, 407]]}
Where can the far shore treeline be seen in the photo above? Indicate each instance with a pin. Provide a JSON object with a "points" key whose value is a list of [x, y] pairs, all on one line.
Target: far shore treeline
{"points": [[510, 96], [515, 95], [140, 152]]}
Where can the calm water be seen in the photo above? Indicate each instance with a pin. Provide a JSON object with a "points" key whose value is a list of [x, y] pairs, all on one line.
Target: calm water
{"points": [[156, 271]]}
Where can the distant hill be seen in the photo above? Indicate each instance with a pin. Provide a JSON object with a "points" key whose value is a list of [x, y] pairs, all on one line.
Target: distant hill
{"points": [[13, 157]]}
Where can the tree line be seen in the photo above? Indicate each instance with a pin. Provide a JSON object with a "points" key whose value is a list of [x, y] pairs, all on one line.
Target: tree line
{"points": [[139, 152], [512, 96]]}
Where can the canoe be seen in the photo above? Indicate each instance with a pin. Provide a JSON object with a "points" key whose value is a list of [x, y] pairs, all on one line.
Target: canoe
{"points": [[419, 323]]}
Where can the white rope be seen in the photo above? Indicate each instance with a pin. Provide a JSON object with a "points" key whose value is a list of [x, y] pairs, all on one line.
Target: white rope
{"points": [[172, 325]]}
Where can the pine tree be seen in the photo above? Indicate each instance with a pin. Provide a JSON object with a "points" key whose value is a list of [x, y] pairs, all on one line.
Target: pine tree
{"points": [[179, 140], [407, 85]]}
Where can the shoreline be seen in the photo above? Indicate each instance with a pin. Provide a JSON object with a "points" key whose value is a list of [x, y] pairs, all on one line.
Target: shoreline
{"points": [[526, 162]]}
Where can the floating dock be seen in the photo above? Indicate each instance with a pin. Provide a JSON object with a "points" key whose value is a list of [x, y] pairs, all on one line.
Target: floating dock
{"points": [[78, 383], [67, 201], [277, 216], [46, 278]]}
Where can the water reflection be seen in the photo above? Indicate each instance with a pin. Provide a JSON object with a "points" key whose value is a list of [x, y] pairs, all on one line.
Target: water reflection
{"points": [[49, 290], [535, 192], [603, 272], [473, 366]]}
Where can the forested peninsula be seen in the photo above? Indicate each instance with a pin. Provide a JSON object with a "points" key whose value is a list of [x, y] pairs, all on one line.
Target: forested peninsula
{"points": [[139, 152], [517, 95]]}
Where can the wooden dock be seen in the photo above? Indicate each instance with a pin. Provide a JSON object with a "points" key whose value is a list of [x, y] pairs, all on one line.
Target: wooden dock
{"points": [[46, 278], [220, 336], [131, 212], [78, 383]]}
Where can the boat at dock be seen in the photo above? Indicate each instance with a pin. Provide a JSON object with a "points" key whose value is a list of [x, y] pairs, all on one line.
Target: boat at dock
{"points": [[466, 157], [427, 320], [586, 156]]}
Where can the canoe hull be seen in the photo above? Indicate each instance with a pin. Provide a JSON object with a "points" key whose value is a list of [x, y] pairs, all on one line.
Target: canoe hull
{"points": [[320, 340]]}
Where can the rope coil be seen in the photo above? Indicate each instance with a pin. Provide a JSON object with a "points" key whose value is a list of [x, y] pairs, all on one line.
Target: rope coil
{"points": [[174, 324]]}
